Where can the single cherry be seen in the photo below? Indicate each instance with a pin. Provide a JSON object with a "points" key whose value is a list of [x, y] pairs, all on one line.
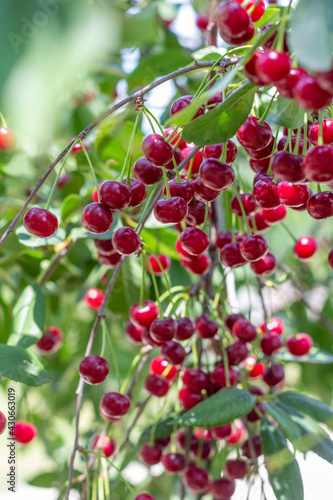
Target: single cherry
{"points": [[163, 330], [8, 139], [231, 256], [216, 175], [134, 333], [309, 95], [115, 195], [274, 325], [40, 222], [97, 218], [24, 432], [305, 248], [273, 66], [204, 193], [232, 20], [138, 192], [108, 445], [274, 374], [253, 135], [236, 353], [215, 151], [265, 266], [170, 211], [94, 369], [155, 148], [173, 352], [194, 241], [293, 195], [195, 380], [270, 344], [254, 247], [145, 172], [159, 366], [94, 298], [244, 330], [218, 376], [246, 201], [189, 399], [126, 241], [183, 189], [318, 164], [236, 469], [221, 432], [160, 264], [51, 341], [173, 462], [143, 315], [199, 265], [206, 328], [196, 213], [299, 344], [196, 478], [114, 406], [273, 215], [185, 329], [223, 489], [183, 102], [320, 205], [150, 455]]}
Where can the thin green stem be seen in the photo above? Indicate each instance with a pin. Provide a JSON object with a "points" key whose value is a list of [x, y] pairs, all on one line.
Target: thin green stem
{"points": [[133, 366], [273, 150], [146, 110], [320, 137], [91, 168], [143, 215], [246, 222], [286, 228], [265, 113], [305, 146], [149, 120], [155, 287], [224, 153], [48, 203], [127, 163], [142, 289], [206, 217], [166, 183], [298, 140]]}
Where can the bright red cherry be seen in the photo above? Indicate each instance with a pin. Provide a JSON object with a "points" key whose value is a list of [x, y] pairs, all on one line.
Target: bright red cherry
{"points": [[94, 369], [159, 366], [155, 148], [247, 201], [24, 432], [216, 175], [134, 333], [143, 315], [244, 330], [215, 151], [8, 139], [182, 252], [185, 329], [40, 222], [173, 462], [189, 399], [274, 215], [320, 205], [194, 241], [145, 172], [274, 374], [126, 241], [196, 478], [221, 432], [115, 195], [250, 69], [163, 330], [257, 370], [173, 352], [94, 298], [256, 447], [223, 489], [254, 247], [183, 102], [286, 86], [94, 194], [236, 353], [108, 445], [231, 257], [150, 455], [175, 137], [273, 66], [3, 422], [274, 325], [156, 385], [327, 132], [270, 344], [138, 192], [195, 380], [293, 195], [299, 344], [265, 266], [196, 160], [114, 406], [305, 248], [260, 225], [51, 341], [318, 164], [199, 265], [257, 12], [159, 264], [218, 376], [330, 258], [236, 469], [309, 95], [232, 20], [253, 135], [170, 211], [97, 218], [196, 213], [144, 496], [206, 328], [183, 189], [265, 193]]}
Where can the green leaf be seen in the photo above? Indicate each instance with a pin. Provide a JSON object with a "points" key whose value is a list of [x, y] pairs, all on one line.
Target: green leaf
{"points": [[29, 317], [222, 122], [70, 205], [20, 365], [288, 427], [219, 409], [312, 407], [311, 34], [161, 241], [283, 470], [289, 114], [315, 356], [210, 53], [34, 241]]}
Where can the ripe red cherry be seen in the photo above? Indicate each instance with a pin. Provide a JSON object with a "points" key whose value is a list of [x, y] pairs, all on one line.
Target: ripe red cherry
{"points": [[163, 330], [216, 175], [185, 329], [254, 136], [150, 455], [309, 95], [196, 213], [97, 218], [134, 333], [291, 146], [256, 447], [274, 374], [159, 366], [182, 252], [138, 192], [274, 325], [173, 462], [260, 224], [8, 139], [273, 66], [221, 432], [173, 352], [318, 164], [257, 370], [299, 344], [24, 432], [94, 298], [265, 193], [236, 469], [239, 40], [204, 193], [195, 380], [270, 344], [231, 257], [216, 99], [3, 422], [262, 154], [330, 258], [175, 137], [104, 247], [196, 478], [244, 330], [249, 205], [194, 241], [327, 132], [288, 167], [144, 496], [274, 215], [170, 211], [253, 247], [40, 222], [115, 195], [218, 376], [250, 70], [196, 161], [94, 369], [114, 406], [206, 328], [143, 315], [232, 20], [202, 449], [320, 205], [215, 151], [258, 11], [189, 399], [50, 342], [199, 265], [145, 172], [236, 353], [264, 266], [156, 150], [223, 238], [159, 264], [126, 241], [286, 86], [183, 102], [231, 320], [183, 189], [108, 445], [293, 195], [223, 489], [305, 248]]}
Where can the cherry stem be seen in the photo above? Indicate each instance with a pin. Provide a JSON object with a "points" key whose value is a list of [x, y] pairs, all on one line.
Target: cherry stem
{"points": [[147, 112], [273, 150], [189, 172], [204, 84], [166, 279], [130, 372], [305, 135], [298, 140], [149, 120], [318, 188], [246, 222], [113, 354], [288, 142], [147, 207], [262, 119], [282, 27], [100, 454], [48, 203], [320, 137], [142, 289], [251, 9], [152, 275], [206, 217], [91, 168], [127, 162], [285, 227], [166, 183], [223, 158], [3, 121]]}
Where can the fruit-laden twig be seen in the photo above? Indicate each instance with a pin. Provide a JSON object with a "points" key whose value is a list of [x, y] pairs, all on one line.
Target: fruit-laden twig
{"points": [[139, 93]]}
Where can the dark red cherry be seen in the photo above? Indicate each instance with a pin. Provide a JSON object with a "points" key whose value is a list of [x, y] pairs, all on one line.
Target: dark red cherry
{"points": [[202, 449], [216, 99], [286, 86], [265, 266], [320, 205], [299, 344], [177, 158], [159, 264], [195, 380], [40, 222], [150, 455], [265, 194], [196, 160], [183, 189], [260, 225], [145, 172], [232, 20], [273, 66], [330, 258], [156, 385], [254, 247], [250, 70], [23, 432], [173, 462], [216, 175], [253, 416], [259, 165], [194, 241], [254, 136], [189, 399], [244, 330], [163, 330], [206, 328], [185, 329], [50, 342], [293, 195], [309, 95], [173, 352], [126, 241], [155, 148], [196, 478], [231, 320], [318, 164], [94, 369], [288, 167], [274, 215], [115, 195], [97, 218], [221, 432], [270, 344], [240, 40], [196, 213], [114, 405], [255, 448], [236, 353], [215, 151], [223, 238], [107, 445], [199, 265], [104, 247], [170, 211], [223, 489], [274, 374], [159, 366], [183, 102], [231, 257], [305, 248], [218, 376], [109, 261], [138, 192], [249, 205], [143, 315], [236, 469], [134, 333], [204, 193]]}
